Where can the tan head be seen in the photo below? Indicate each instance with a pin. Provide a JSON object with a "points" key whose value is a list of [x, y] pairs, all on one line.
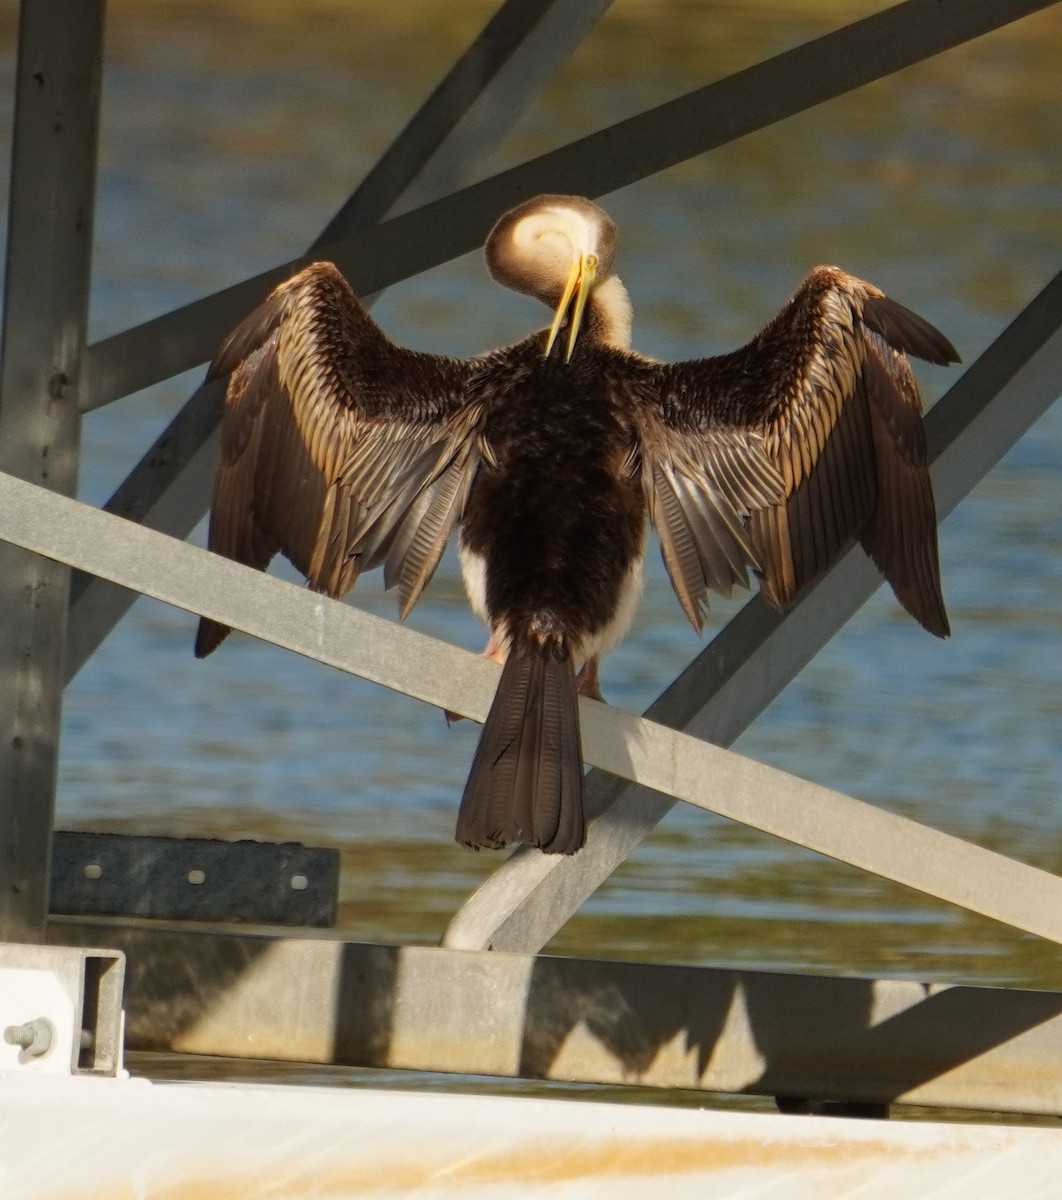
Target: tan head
{"points": [[558, 249]]}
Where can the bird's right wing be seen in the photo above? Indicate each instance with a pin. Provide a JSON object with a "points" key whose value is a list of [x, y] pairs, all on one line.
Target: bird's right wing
{"points": [[827, 392], [339, 449]]}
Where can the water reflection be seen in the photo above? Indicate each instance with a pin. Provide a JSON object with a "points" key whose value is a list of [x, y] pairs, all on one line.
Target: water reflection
{"points": [[232, 133]]}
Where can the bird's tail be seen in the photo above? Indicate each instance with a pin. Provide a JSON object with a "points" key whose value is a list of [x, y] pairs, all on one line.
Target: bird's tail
{"points": [[209, 636], [526, 781]]}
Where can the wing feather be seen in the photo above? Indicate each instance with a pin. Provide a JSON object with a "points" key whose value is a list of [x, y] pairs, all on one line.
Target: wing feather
{"points": [[901, 536], [699, 488], [827, 393], [336, 443], [677, 544], [411, 562]]}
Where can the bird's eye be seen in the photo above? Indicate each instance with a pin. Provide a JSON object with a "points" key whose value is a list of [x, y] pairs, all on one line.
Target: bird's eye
{"points": [[591, 261]]}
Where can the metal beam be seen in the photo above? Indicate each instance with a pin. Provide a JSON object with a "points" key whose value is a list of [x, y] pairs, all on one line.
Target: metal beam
{"points": [[320, 999], [634, 748], [45, 304], [466, 116], [523, 904], [471, 111], [622, 154]]}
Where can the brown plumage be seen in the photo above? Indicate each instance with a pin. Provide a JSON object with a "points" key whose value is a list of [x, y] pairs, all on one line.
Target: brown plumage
{"points": [[346, 452], [827, 386]]}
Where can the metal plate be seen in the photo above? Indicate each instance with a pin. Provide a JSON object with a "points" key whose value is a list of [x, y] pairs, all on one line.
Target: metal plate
{"points": [[193, 879]]}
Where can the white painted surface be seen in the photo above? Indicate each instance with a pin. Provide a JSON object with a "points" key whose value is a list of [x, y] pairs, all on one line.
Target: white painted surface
{"points": [[94, 1139], [29, 994]]}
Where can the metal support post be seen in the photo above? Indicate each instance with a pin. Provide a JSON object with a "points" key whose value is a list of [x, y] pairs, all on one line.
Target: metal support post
{"points": [[45, 306]]}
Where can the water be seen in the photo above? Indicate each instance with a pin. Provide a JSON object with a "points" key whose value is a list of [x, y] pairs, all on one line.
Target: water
{"points": [[230, 136]]}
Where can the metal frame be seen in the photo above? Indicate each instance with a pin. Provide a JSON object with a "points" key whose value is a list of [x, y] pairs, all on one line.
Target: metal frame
{"points": [[318, 998], [49, 377], [60, 1010]]}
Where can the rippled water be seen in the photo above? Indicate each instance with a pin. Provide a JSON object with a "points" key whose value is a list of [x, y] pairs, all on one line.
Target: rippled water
{"points": [[232, 134]]}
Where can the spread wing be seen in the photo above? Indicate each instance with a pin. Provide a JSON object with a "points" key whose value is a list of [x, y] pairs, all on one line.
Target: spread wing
{"points": [[339, 449], [827, 393], [702, 479]]}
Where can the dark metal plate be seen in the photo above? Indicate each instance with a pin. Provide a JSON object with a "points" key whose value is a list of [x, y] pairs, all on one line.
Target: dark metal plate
{"points": [[193, 879]]}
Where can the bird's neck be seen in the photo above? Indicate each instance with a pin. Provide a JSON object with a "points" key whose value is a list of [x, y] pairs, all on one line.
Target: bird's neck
{"points": [[608, 319]]}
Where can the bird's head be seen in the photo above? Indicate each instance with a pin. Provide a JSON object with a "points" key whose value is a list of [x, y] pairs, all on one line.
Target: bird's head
{"points": [[557, 249]]}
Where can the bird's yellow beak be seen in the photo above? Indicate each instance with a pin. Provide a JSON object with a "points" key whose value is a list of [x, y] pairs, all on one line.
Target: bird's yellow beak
{"points": [[581, 280]]}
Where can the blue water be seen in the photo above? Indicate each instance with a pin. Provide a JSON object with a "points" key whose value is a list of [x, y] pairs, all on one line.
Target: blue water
{"points": [[230, 136]]}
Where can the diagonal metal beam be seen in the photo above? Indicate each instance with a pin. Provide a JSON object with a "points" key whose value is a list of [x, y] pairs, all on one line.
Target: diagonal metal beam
{"points": [[467, 115], [523, 904], [622, 154], [471, 111], [668, 761]]}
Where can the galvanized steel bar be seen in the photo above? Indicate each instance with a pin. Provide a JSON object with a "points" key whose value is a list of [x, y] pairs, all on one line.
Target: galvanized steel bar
{"points": [[466, 116], [523, 904], [320, 999], [622, 154], [470, 112], [632, 747], [45, 304], [168, 490]]}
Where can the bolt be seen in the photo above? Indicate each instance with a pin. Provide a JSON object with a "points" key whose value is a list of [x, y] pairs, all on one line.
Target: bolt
{"points": [[34, 1037], [58, 385]]}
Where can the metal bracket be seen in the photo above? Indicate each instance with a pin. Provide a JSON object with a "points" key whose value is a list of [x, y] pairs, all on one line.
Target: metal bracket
{"points": [[193, 879], [61, 1010]]}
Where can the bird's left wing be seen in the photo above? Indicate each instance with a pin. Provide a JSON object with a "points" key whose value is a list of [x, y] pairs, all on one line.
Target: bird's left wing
{"points": [[339, 449], [702, 477]]}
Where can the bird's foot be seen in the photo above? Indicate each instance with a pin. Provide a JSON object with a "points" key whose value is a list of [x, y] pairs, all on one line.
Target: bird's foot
{"points": [[586, 681]]}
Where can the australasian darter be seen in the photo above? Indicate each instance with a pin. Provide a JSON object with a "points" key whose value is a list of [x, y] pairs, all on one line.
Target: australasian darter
{"points": [[346, 452]]}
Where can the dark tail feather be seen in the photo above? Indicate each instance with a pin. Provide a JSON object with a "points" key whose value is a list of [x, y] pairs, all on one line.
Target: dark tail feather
{"points": [[209, 636], [526, 781]]}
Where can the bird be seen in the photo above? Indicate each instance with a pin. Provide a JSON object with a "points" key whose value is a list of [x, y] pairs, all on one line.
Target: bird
{"points": [[550, 457]]}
